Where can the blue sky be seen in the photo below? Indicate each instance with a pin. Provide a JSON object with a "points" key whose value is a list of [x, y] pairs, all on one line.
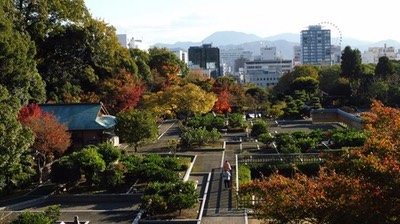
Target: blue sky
{"points": [[170, 21]]}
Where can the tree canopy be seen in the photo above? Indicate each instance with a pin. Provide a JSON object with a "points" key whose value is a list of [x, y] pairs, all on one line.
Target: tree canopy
{"points": [[356, 187]]}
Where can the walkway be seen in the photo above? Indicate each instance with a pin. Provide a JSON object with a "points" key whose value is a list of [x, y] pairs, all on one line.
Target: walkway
{"points": [[221, 203]]}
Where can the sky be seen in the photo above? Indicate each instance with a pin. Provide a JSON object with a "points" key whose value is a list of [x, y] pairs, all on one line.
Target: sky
{"points": [[171, 21]]}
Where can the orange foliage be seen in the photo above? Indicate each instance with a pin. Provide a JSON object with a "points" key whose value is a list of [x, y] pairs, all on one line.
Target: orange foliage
{"points": [[361, 186], [28, 112], [222, 105]]}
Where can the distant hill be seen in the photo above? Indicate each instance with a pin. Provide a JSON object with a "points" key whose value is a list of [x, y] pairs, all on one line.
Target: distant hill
{"points": [[222, 38], [283, 42]]}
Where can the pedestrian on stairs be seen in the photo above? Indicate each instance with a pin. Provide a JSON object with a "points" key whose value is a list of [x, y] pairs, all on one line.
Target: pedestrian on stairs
{"points": [[226, 176]]}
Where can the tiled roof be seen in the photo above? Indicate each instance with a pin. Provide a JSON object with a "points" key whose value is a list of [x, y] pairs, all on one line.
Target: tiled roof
{"points": [[81, 116]]}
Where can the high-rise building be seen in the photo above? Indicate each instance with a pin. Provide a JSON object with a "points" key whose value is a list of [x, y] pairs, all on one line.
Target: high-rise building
{"points": [[315, 46], [206, 58]]}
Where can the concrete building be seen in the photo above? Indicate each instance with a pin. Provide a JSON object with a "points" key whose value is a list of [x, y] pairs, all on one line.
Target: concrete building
{"points": [[123, 40], [181, 54], [315, 45], [206, 58], [266, 73], [228, 57], [268, 53], [373, 54], [296, 55]]}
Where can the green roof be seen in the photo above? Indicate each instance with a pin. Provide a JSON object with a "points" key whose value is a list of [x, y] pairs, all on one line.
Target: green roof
{"points": [[81, 116]]}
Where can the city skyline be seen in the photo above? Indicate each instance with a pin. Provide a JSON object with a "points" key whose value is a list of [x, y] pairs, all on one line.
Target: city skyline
{"points": [[174, 21]]}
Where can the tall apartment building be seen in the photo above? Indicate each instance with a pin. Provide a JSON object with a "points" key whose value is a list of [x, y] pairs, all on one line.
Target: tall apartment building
{"points": [[315, 45], [205, 57]]}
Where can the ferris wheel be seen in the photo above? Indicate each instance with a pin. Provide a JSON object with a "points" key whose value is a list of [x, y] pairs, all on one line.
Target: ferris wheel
{"points": [[336, 33]]}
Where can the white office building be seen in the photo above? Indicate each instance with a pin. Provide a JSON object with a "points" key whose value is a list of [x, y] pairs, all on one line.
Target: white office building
{"points": [[373, 54], [266, 73], [228, 58]]}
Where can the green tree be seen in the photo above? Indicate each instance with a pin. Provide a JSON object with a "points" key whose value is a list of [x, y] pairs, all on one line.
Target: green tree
{"points": [[90, 162], [142, 59], [258, 98], [136, 127], [351, 68], [109, 153], [17, 65], [169, 197], [259, 127], [42, 17], [384, 70], [49, 216], [309, 84], [77, 60], [65, 171], [15, 141]]}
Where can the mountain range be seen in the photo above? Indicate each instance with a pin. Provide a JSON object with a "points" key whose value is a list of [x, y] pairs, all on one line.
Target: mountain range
{"points": [[284, 42]]}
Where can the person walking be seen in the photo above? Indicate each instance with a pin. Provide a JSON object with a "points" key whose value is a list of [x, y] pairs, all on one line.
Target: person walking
{"points": [[226, 176], [227, 167]]}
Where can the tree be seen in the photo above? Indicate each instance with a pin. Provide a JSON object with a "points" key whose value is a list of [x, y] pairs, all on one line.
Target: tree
{"points": [[259, 127], [257, 98], [222, 105], [121, 92], [78, 59], [167, 65], [181, 100], [17, 62], [384, 69], [136, 127], [90, 162], [355, 187], [52, 139], [169, 197], [142, 59], [351, 67], [309, 84], [49, 216], [15, 141]]}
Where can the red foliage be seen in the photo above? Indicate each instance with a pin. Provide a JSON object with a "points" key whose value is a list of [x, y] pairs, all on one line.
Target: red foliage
{"points": [[128, 96], [28, 112], [222, 105], [51, 137]]}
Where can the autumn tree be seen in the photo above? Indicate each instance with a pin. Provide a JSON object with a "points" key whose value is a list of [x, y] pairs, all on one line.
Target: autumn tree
{"points": [[121, 92], [136, 127], [222, 105], [177, 100], [51, 137], [356, 187], [166, 68]]}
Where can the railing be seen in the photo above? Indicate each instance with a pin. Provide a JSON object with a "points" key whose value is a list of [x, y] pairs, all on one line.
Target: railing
{"points": [[280, 159]]}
